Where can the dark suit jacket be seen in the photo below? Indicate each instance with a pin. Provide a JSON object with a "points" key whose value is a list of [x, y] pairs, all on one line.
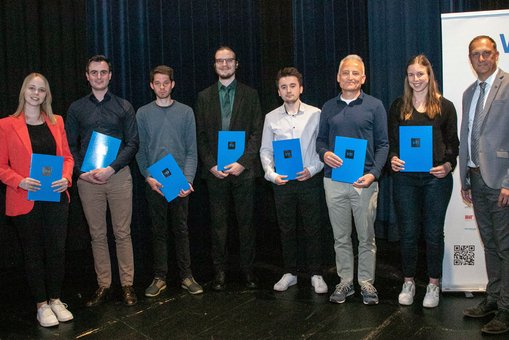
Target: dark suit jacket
{"points": [[494, 138], [16, 155], [246, 116]]}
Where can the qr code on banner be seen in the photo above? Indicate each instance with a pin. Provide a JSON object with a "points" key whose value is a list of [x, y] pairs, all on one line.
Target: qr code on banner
{"points": [[464, 255]]}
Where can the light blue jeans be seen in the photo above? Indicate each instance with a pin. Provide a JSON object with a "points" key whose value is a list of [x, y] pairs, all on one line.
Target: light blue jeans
{"points": [[343, 200]]}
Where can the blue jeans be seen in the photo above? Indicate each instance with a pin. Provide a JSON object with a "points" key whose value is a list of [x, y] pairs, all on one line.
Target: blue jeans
{"points": [[421, 199]]}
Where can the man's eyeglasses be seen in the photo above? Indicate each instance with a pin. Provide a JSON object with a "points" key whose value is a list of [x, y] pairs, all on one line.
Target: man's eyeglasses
{"points": [[225, 60]]}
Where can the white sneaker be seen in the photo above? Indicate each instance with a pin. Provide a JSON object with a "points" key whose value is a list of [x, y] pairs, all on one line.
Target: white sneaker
{"points": [[432, 296], [319, 284], [406, 297], [286, 281], [46, 317], [60, 310]]}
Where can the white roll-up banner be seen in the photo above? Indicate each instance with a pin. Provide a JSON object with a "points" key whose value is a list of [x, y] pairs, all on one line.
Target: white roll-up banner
{"points": [[464, 267]]}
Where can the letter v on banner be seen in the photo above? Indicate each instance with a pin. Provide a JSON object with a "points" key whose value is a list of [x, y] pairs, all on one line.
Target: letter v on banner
{"points": [[504, 44]]}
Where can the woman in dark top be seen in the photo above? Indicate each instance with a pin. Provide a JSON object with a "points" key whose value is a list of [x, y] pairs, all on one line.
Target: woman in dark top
{"points": [[421, 198], [41, 225]]}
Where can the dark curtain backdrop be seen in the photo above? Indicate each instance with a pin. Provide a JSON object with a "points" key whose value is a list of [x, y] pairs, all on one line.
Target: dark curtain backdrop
{"points": [[184, 34], [46, 37], [324, 32]]}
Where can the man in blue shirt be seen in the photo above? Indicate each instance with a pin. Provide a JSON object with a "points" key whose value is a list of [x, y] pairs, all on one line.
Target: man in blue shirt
{"points": [[111, 186], [353, 114]]}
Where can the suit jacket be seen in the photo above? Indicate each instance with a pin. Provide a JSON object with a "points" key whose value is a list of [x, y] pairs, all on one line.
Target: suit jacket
{"points": [[494, 136], [246, 116], [16, 155]]}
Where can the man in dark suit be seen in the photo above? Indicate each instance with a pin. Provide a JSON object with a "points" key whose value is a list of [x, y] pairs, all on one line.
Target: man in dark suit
{"points": [[484, 172], [230, 105]]}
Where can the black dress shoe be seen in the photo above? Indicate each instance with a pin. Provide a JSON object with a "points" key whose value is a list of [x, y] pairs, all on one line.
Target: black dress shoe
{"points": [[251, 280], [129, 296], [218, 283], [100, 296]]}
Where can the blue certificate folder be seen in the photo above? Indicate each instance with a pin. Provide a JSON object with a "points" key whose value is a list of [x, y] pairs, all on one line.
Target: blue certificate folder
{"points": [[46, 169], [230, 147], [288, 157], [353, 153], [101, 152], [416, 148], [167, 172]]}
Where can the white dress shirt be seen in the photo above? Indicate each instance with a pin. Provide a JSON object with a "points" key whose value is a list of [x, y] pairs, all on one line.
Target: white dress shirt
{"points": [[280, 125]]}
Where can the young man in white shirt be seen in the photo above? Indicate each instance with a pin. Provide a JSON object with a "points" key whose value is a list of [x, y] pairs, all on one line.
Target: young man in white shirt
{"points": [[296, 200]]}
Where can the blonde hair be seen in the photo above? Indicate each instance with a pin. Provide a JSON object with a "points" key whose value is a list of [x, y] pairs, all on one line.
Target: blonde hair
{"points": [[46, 104], [432, 97]]}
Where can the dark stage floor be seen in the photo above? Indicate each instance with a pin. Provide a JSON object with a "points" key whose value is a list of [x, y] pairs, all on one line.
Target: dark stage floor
{"points": [[238, 313]]}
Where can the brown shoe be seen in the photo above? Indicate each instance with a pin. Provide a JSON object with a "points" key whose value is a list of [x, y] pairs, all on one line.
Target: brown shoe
{"points": [[101, 295], [499, 324], [129, 296], [484, 308]]}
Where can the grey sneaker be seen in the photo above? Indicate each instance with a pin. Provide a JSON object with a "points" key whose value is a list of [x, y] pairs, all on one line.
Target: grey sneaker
{"points": [[192, 286], [155, 288], [369, 294], [342, 291], [406, 297]]}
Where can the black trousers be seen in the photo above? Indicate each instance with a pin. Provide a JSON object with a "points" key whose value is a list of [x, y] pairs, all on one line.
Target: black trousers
{"points": [[300, 201], [232, 195], [43, 232], [176, 212]]}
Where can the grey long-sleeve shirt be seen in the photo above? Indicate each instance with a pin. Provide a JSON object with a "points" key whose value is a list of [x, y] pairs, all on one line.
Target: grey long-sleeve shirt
{"points": [[167, 130]]}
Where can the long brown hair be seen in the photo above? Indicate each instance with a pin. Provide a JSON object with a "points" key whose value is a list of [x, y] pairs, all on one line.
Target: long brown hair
{"points": [[433, 96], [46, 104]]}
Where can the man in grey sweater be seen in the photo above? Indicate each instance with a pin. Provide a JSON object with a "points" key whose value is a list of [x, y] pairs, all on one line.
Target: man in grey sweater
{"points": [[167, 127]]}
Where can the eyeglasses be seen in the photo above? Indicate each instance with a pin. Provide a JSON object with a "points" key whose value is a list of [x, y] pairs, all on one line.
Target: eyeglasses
{"points": [[484, 54], [225, 60]]}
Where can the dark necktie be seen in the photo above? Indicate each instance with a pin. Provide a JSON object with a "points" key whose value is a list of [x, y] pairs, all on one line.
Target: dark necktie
{"points": [[226, 108], [479, 115]]}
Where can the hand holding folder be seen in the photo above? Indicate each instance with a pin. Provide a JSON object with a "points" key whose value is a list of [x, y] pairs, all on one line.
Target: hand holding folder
{"points": [[101, 152], [167, 172], [352, 152], [230, 147], [288, 157], [47, 169]]}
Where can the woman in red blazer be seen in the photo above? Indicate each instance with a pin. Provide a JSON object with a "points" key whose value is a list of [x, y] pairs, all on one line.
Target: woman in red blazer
{"points": [[41, 226]]}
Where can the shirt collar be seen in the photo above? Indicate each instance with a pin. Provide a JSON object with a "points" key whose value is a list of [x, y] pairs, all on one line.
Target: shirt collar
{"points": [[490, 79], [233, 85], [302, 108], [94, 100], [358, 99]]}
